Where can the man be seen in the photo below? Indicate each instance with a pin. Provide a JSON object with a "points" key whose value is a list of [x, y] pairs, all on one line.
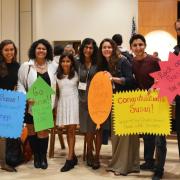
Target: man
{"points": [[161, 140], [117, 38], [176, 122]]}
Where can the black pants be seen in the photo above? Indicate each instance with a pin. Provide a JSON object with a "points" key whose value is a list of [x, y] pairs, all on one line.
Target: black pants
{"points": [[177, 121], [149, 147], [161, 151]]}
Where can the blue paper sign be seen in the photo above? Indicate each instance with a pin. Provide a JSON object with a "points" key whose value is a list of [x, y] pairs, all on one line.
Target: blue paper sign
{"points": [[12, 109]]}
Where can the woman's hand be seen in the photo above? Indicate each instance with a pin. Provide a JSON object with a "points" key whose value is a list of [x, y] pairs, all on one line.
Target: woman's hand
{"points": [[108, 74], [30, 102]]}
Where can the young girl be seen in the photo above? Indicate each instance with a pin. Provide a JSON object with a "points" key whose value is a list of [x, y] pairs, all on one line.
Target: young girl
{"points": [[68, 104]]}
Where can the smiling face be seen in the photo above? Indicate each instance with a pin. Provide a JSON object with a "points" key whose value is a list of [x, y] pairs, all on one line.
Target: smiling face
{"points": [[40, 51], [138, 48], [107, 50], [66, 64], [8, 52]]}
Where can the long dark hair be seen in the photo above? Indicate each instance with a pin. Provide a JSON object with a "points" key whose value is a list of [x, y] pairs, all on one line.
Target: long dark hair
{"points": [[111, 65], [32, 54], [85, 42], [3, 67], [60, 72]]}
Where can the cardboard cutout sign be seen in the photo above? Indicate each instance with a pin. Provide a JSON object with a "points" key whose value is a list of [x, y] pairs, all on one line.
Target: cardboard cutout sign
{"points": [[12, 108], [100, 98], [168, 78], [138, 112], [41, 93]]}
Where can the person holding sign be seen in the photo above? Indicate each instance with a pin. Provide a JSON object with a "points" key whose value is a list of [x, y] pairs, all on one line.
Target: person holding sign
{"points": [[68, 104], [143, 65], [8, 80], [125, 149], [176, 122], [87, 68], [40, 55]]}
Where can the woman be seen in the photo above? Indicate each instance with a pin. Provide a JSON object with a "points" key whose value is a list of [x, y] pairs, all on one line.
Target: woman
{"points": [[8, 80], [125, 149], [143, 65], [86, 70], [40, 55], [68, 104]]}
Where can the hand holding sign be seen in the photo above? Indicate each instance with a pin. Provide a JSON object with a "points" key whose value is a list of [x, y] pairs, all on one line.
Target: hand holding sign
{"points": [[40, 92]]}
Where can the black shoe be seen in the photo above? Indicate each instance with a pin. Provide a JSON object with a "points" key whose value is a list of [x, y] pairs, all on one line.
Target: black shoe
{"points": [[69, 164], [37, 161], [96, 164], [75, 160], [147, 166], [44, 164], [157, 176], [90, 160]]}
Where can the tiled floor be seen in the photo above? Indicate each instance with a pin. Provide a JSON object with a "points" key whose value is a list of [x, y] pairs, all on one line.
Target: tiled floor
{"points": [[82, 172]]}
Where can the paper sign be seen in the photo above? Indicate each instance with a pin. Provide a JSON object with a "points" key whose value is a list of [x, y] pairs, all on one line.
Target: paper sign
{"points": [[138, 112], [12, 108], [41, 93], [168, 78], [100, 98]]}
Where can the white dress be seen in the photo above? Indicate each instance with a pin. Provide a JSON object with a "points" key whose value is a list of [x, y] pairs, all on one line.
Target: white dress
{"points": [[68, 103]]}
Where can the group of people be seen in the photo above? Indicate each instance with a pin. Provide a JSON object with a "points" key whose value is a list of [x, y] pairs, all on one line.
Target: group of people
{"points": [[70, 78]]}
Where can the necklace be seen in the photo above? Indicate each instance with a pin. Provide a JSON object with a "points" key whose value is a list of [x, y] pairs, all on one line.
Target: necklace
{"points": [[41, 68]]}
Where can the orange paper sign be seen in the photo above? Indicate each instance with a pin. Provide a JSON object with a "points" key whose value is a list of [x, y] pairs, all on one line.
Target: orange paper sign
{"points": [[100, 98]]}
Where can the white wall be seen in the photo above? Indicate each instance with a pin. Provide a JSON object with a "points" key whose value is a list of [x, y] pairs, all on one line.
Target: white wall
{"points": [[25, 28], [78, 19], [9, 20]]}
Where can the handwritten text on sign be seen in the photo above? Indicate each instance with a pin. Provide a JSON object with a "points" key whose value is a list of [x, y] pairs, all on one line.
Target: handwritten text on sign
{"points": [[12, 107], [139, 112], [168, 78], [41, 93]]}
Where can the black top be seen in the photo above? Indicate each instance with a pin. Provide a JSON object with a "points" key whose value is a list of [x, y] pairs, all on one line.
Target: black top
{"points": [[10, 80], [45, 76], [123, 69]]}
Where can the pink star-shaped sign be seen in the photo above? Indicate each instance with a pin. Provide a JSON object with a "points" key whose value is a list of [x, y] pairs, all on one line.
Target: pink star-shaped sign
{"points": [[168, 78]]}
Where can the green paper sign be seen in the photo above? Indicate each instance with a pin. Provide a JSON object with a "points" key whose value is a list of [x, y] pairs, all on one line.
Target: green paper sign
{"points": [[41, 93]]}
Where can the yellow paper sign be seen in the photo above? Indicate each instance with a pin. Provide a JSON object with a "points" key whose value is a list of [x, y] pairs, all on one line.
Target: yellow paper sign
{"points": [[139, 112], [100, 98]]}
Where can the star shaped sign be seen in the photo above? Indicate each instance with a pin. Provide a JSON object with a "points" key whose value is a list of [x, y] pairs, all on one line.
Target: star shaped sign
{"points": [[168, 78]]}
